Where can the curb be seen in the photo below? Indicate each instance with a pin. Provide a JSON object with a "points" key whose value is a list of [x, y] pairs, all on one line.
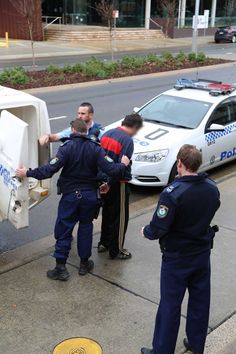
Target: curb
{"points": [[127, 78], [222, 339]]}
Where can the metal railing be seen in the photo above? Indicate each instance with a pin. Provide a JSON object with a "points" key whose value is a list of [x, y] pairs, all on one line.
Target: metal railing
{"points": [[156, 23], [59, 19]]}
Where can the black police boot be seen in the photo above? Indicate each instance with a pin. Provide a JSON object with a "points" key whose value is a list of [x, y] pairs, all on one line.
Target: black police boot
{"points": [[85, 267], [188, 346], [59, 272], [147, 351]]}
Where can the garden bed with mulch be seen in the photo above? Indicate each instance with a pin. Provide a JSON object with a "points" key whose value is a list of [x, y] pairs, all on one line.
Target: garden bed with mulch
{"points": [[95, 69]]}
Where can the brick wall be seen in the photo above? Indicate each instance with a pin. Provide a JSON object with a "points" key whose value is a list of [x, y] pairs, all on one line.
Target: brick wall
{"points": [[13, 23]]}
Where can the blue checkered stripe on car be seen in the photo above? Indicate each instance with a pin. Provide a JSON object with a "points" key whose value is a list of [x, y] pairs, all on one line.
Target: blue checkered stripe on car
{"points": [[212, 136]]}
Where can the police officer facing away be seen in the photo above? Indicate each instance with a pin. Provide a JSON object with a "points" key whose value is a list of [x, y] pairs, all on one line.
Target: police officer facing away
{"points": [[85, 113], [80, 159], [181, 223]]}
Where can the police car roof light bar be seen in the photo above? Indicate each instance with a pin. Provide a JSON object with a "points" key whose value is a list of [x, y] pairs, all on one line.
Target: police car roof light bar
{"points": [[215, 88]]}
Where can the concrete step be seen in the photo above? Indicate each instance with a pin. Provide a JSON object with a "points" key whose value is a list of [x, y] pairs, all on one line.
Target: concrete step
{"points": [[72, 35]]}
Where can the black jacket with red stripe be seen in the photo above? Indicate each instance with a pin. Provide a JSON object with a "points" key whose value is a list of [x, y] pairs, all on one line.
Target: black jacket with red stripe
{"points": [[117, 142]]}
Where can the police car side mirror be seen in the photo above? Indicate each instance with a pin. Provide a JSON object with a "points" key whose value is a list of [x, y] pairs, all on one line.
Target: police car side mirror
{"points": [[136, 109], [216, 128]]}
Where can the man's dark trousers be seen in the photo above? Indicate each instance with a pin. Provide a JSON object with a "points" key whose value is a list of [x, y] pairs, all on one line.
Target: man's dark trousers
{"points": [[177, 275], [73, 207], [115, 217]]}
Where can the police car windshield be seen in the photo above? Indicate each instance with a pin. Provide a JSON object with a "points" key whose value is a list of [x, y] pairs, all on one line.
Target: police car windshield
{"points": [[175, 111]]}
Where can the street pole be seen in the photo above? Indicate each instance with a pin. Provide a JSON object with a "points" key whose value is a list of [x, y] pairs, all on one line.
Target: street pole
{"points": [[147, 14], [195, 29]]}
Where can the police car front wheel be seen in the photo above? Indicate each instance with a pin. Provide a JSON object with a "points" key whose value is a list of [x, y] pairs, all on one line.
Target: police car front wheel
{"points": [[173, 173]]}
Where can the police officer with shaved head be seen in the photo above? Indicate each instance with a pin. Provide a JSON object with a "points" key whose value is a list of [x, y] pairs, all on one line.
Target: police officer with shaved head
{"points": [[181, 223]]}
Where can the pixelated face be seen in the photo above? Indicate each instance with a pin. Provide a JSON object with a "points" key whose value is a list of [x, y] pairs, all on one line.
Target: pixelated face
{"points": [[134, 131], [83, 113]]}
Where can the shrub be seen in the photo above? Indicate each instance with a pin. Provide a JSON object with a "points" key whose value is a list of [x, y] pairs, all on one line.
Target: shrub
{"points": [[201, 57], [53, 69], [111, 68], [68, 69], [14, 76], [132, 62], [152, 58], [166, 56], [192, 56], [93, 67], [181, 57], [77, 68]]}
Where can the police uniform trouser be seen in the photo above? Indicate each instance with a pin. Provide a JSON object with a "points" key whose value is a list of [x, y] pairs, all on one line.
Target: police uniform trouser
{"points": [[74, 207], [115, 217], [178, 275]]}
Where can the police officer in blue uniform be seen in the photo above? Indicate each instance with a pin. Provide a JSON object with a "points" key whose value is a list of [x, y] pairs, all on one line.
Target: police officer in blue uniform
{"points": [[181, 223], [80, 159]]}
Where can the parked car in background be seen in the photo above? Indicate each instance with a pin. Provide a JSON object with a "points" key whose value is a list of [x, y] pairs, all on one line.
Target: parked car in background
{"points": [[226, 34]]}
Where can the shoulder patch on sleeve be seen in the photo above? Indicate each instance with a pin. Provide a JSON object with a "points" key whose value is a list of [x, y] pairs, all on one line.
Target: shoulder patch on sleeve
{"points": [[54, 161], [162, 211]]}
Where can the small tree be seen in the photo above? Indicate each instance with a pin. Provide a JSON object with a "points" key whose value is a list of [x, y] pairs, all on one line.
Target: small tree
{"points": [[28, 10], [105, 9], [230, 6], [169, 8]]}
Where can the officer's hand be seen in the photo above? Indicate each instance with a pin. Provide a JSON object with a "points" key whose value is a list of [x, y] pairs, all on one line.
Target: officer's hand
{"points": [[125, 160], [44, 140], [21, 172], [104, 188]]}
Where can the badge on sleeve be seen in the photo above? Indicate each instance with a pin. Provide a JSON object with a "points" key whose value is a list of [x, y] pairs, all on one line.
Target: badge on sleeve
{"points": [[54, 160], [162, 211]]}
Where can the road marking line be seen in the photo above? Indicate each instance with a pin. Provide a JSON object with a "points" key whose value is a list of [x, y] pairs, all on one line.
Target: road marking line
{"points": [[57, 118]]}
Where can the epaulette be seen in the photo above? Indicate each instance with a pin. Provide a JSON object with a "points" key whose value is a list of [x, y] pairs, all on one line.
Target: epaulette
{"points": [[86, 137], [66, 142], [171, 187]]}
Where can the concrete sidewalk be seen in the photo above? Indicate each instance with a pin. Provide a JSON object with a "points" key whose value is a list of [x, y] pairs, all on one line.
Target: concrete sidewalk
{"points": [[116, 305], [20, 49]]}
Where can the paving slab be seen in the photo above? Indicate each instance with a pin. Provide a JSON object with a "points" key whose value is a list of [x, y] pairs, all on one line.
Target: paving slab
{"points": [[37, 313]]}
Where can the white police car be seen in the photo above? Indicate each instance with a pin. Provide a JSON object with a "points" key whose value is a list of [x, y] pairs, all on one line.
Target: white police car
{"points": [[197, 112]]}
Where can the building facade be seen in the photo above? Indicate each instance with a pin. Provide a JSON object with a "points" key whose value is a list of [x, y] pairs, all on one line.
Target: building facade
{"points": [[132, 13]]}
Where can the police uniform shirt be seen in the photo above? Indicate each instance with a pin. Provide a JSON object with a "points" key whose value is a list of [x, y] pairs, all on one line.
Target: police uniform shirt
{"points": [[94, 132], [182, 219]]}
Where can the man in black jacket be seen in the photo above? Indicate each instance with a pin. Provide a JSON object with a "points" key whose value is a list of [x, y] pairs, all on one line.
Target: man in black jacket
{"points": [[181, 223]]}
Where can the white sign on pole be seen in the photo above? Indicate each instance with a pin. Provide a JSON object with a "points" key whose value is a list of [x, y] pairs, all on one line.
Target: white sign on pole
{"points": [[202, 21], [207, 15], [115, 13]]}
